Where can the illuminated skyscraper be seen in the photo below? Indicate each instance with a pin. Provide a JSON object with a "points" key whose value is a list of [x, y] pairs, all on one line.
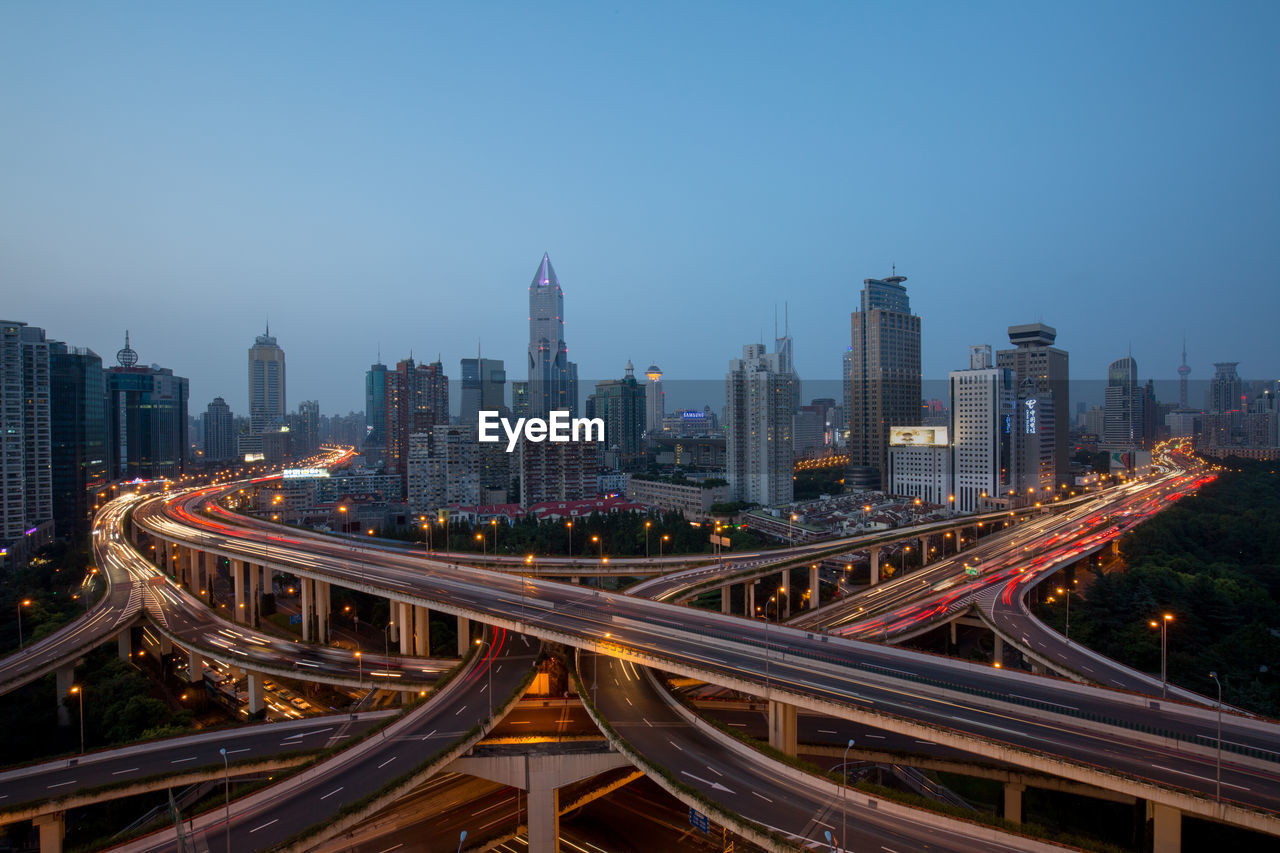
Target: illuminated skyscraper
{"points": [[654, 401], [553, 379], [266, 384], [760, 421], [1037, 360], [26, 489]]}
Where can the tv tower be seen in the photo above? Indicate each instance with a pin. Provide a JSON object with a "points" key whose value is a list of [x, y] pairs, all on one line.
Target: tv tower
{"points": [[1183, 372]]}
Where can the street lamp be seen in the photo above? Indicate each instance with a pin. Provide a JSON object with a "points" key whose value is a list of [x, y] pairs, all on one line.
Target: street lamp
{"points": [[647, 525], [360, 662], [1218, 785], [844, 787], [1163, 625], [461, 838], [226, 779], [600, 541], [78, 692], [489, 669], [26, 602], [791, 537], [494, 522], [1066, 591], [568, 525], [484, 546]]}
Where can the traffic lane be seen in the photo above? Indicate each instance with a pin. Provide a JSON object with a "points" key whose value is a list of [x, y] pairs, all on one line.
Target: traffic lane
{"points": [[177, 755], [433, 729], [560, 720], [628, 701]]}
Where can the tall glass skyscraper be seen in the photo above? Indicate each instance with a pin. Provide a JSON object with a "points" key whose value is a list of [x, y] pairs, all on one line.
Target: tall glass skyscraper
{"points": [[78, 394], [884, 376], [266, 384], [553, 379]]}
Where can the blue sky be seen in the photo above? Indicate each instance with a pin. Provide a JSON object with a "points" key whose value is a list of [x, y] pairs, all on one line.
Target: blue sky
{"points": [[390, 174]]}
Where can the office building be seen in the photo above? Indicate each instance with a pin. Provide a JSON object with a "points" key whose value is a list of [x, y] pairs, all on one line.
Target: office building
{"points": [[1035, 359], [1035, 444], [304, 429], [759, 421], [146, 419], [219, 433], [1226, 391], [620, 403], [520, 399], [26, 485], [1124, 415], [375, 406], [484, 388], [266, 384], [982, 433], [884, 375], [553, 379], [920, 464], [655, 401], [78, 434]]}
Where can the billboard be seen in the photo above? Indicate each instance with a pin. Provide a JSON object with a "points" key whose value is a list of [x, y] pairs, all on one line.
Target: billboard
{"points": [[918, 436]]}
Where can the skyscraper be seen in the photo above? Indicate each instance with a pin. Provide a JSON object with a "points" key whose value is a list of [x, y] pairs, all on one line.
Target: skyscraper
{"points": [[26, 486], [219, 433], [417, 399], [266, 384], [375, 405], [1226, 391], [884, 375], [484, 385], [146, 419], [620, 403], [79, 435], [655, 401], [1035, 358], [982, 403], [759, 446], [553, 379], [1123, 416]]}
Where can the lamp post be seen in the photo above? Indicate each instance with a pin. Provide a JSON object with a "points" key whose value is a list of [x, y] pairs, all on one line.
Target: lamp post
{"points": [[600, 541], [360, 663], [494, 522], [26, 602], [647, 525], [528, 561], [1163, 625], [844, 786], [484, 546], [791, 537], [461, 838], [1066, 591], [489, 670], [568, 525], [226, 789], [386, 639], [1218, 776], [80, 693]]}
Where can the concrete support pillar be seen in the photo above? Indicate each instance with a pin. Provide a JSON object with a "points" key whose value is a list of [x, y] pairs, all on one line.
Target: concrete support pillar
{"points": [[322, 611], [195, 667], [406, 629], [393, 621], [421, 632], [924, 551], [257, 703], [1013, 801], [952, 626], [1166, 830], [873, 557], [749, 596], [815, 593], [784, 595], [307, 596], [268, 581], [998, 655], [52, 828], [575, 580], [239, 607], [166, 646], [724, 599], [544, 815], [124, 644], [64, 678], [464, 636], [254, 598], [782, 727], [959, 534]]}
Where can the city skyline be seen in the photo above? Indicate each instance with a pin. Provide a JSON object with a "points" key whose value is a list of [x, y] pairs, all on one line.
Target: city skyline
{"points": [[1098, 196]]}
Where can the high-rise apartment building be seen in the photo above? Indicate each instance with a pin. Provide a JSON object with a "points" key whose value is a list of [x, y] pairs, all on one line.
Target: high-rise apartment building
{"points": [[1123, 414], [444, 469], [417, 399], [146, 419], [219, 433], [77, 403], [1035, 359], [266, 385], [884, 375], [556, 471], [520, 399], [484, 386], [982, 432], [304, 428], [1226, 391], [620, 403], [655, 401], [553, 379], [759, 422], [26, 485]]}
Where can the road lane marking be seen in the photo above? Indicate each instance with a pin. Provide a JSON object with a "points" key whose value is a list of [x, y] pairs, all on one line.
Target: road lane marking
{"points": [[676, 745], [460, 710], [234, 751], [60, 784], [762, 796], [388, 761], [713, 770], [331, 793], [428, 734], [181, 760], [826, 731], [118, 772], [265, 825]]}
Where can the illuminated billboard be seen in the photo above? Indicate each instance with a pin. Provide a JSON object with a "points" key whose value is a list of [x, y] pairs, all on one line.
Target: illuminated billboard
{"points": [[305, 473], [918, 436]]}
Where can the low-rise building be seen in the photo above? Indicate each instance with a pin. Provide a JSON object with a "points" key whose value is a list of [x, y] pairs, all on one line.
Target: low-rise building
{"points": [[694, 499]]}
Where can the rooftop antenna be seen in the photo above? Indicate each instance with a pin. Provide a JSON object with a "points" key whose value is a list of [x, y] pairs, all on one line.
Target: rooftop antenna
{"points": [[786, 309], [775, 320], [893, 270]]}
